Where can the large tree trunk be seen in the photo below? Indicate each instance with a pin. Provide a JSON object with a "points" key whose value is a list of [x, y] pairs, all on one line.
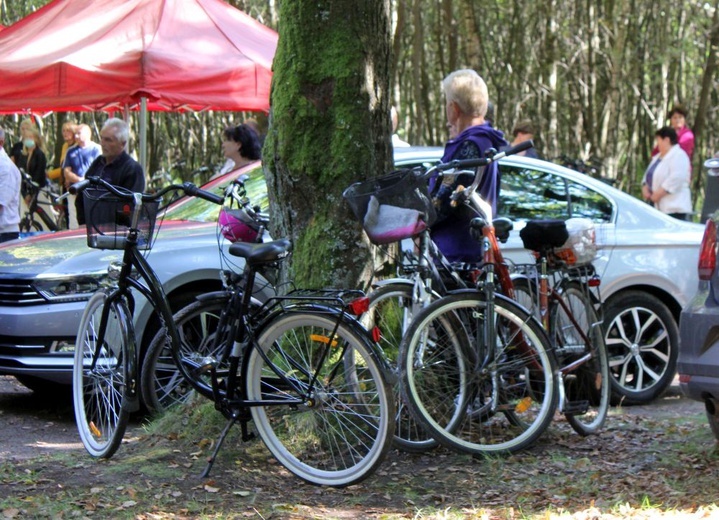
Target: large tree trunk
{"points": [[329, 127]]}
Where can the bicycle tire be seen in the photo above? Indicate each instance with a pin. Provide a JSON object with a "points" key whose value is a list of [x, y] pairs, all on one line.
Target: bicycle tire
{"points": [[336, 436], [506, 399], [163, 384], [391, 310], [588, 388], [100, 393]]}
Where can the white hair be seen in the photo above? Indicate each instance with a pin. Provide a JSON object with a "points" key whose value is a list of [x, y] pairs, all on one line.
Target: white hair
{"points": [[119, 127], [467, 88]]}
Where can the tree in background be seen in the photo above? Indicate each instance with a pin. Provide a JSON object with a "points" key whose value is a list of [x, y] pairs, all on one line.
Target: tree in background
{"points": [[329, 127]]}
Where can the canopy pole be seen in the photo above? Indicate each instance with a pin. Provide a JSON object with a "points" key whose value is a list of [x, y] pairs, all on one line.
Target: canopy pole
{"points": [[143, 133]]}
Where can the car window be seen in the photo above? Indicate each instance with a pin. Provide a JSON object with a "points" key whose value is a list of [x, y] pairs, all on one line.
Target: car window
{"points": [[199, 210], [526, 194], [587, 203]]}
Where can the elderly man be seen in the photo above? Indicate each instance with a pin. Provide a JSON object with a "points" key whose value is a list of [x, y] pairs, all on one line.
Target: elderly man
{"points": [[9, 195], [77, 161], [114, 165]]}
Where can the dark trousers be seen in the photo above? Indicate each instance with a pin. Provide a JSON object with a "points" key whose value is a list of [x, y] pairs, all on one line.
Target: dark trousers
{"points": [[679, 216], [4, 237]]}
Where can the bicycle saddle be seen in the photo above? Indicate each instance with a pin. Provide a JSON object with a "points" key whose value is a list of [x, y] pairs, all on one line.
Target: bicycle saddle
{"points": [[542, 235], [502, 227], [266, 252]]}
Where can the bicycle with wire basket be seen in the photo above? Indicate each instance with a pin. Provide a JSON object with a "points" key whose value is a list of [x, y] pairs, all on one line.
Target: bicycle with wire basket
{"points": [[51, 212], [281, 364], [424, 273], [561, 289], [474, 367]]}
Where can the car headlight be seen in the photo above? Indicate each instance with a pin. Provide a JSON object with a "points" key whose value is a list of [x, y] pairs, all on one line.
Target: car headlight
{"points": [[69, 289]]}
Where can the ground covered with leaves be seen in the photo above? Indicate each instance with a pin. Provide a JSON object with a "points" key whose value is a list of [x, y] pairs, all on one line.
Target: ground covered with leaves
{"points": [[643, 465]]}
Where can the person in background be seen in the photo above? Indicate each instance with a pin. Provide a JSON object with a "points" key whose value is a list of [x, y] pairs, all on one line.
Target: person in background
{"points": [[9, 195], [115, 165], [524, 131], [33, 159], [18, 149], [78, 160], [240, 146], [466, 100], [68, 138], [666, 181], [397, 141], [685, 137]]}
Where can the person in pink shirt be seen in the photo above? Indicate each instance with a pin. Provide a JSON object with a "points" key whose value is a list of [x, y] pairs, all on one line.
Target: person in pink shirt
{"points": [[678, 121]]}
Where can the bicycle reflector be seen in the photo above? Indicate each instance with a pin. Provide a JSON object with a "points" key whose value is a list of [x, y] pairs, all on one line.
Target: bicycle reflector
{"points": [[376, 334], [359, 306], [594, 281]]}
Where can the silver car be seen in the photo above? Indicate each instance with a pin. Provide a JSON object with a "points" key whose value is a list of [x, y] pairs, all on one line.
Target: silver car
{"points": [[46, 280], [646, 262]]}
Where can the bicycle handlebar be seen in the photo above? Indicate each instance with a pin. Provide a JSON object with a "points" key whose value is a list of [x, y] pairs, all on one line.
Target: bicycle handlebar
{"points": [[187, 187]]}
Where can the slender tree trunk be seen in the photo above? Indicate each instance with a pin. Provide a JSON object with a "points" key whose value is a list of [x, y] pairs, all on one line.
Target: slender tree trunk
{"points": [[329, 127]]}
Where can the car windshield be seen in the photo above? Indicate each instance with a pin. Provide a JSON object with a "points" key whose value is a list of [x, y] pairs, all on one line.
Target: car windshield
{"points": [[196, 209]]}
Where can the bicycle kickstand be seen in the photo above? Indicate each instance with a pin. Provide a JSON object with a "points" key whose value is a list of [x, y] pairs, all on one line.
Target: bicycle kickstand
{"points": [[233, 419], [246, 436]]}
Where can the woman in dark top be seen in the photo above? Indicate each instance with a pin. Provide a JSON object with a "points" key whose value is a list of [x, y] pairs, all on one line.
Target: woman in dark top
{"points": [[33, 159]]}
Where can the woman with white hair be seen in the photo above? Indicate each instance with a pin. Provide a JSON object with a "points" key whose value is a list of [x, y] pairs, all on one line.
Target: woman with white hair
{"points": [[471, 136]]}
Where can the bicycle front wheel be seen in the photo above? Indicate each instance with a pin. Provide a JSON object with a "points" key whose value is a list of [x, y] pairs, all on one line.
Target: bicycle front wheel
{"points": [[391, 309], [587, 386], [101, 375], [326, 424], [501, 396]]}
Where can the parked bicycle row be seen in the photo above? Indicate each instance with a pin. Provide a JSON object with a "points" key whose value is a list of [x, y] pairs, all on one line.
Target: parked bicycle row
{"points": [[330, 378]]}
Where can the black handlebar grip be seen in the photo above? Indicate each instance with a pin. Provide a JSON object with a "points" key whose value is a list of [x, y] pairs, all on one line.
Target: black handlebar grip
{"points": [[191, 189], [76, 188], [524, 145]]}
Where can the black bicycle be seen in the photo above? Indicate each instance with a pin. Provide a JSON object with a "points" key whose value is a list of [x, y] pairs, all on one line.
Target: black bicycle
{"points": [[45, 206], [282, 364]]}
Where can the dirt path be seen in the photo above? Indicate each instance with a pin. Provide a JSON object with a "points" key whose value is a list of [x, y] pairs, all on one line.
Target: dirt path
{"points": [[33, 425]]}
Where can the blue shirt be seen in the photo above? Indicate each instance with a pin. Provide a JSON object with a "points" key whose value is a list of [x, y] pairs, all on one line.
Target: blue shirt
{"points": [[79, 159]]}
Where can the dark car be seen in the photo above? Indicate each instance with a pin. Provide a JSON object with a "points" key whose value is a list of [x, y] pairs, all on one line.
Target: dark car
{"points": [[698, 363]]}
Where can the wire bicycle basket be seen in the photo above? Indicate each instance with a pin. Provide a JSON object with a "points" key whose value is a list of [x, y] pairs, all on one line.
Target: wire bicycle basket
{"points": [[108, 218], [392, 207]]}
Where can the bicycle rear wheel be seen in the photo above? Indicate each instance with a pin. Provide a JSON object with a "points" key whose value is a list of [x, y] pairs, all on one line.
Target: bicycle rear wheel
{"points": [[501, 397], [337, 424], [28, 225], [163, 384], [587, 387], [391, 310], [101, 375]]}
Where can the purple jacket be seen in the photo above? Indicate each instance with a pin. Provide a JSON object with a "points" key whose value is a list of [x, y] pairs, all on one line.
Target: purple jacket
{"points": [[451, 231]]}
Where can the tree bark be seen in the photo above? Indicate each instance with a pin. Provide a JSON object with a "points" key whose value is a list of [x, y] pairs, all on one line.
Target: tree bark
{"points": [[329, 127]]}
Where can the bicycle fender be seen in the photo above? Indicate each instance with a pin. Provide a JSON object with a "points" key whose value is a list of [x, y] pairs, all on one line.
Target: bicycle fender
{"points": [[393, 281], [222, 295]]}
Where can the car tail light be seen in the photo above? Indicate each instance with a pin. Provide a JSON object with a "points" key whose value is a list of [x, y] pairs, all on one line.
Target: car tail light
{"points": [[708, 251], [684, 378]]}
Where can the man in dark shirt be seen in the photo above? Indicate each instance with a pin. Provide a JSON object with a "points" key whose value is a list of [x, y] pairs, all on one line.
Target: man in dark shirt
{"points": [[114, 165]]}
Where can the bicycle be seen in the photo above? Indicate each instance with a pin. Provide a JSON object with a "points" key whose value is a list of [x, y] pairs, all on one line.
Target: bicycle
{"points": [[441, 368], [51, 213], [558, 289], [281, 364], [424, 275]]}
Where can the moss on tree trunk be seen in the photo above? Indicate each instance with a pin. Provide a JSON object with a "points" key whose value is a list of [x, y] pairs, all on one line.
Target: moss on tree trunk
{"points": [[329, 127]]}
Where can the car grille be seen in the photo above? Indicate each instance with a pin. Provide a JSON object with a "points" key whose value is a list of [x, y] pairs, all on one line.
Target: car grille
{"points": [[18, 292]]}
